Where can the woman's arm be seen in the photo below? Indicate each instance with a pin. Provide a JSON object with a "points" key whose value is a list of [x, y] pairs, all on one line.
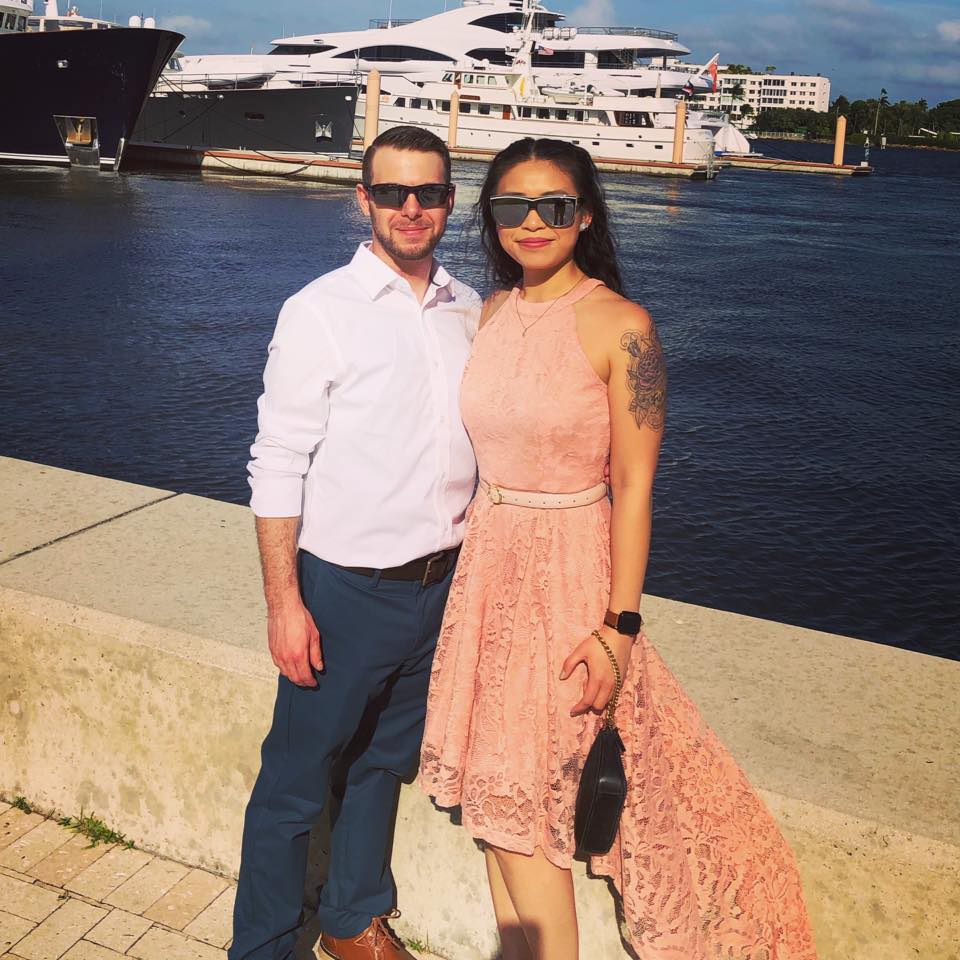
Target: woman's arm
{"points": [[636, 389]]}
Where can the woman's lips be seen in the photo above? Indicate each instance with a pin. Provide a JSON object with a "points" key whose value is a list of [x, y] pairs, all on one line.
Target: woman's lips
{"points": [[533, 244]]}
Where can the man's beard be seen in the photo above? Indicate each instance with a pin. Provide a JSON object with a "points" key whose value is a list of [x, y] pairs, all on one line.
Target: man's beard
{"points": [[421, 251]]}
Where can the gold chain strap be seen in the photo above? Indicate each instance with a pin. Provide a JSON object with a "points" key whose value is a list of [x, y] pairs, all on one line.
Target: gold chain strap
{"points": [[612, 705]]}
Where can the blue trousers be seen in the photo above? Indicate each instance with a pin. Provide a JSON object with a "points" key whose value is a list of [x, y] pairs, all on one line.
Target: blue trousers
{"points": [[378, 639]]}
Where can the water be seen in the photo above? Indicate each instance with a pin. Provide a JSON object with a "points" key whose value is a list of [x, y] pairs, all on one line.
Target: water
{"points": [[812, 461]]}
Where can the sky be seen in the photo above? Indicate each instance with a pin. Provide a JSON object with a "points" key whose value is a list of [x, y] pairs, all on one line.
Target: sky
{"points": [[911, 48]]}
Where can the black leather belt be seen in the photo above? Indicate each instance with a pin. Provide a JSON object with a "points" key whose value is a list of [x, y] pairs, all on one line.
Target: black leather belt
{"points": [[427, 570]]}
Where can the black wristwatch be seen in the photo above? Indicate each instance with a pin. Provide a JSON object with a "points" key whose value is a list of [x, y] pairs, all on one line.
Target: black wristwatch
{"points": [[627, 622]]}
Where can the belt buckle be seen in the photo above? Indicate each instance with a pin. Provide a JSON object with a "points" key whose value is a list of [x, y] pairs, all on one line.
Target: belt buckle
{"points": [[436, 558], [494, 494]]}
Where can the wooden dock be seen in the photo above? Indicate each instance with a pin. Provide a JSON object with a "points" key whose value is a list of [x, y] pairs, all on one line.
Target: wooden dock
{"points": [[334, 169], [653, 168], [777, 165]]}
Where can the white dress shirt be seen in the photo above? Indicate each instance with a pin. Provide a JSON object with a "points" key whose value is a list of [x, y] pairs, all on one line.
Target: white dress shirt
{"points": [[359, 422]]}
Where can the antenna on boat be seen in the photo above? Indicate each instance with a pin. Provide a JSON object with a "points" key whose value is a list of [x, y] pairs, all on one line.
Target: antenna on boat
{"points": [[390, 15], [50, 10]]}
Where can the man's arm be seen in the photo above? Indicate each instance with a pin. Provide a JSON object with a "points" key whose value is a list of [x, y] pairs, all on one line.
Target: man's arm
{"points": [[291, 633], [293, 409]]}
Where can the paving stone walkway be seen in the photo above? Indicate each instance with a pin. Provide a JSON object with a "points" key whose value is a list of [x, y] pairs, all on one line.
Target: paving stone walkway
{"points": [[62, 898]]}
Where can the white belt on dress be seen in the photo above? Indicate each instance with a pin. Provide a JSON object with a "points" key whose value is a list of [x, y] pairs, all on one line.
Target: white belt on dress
{"points": [[544, 501]]}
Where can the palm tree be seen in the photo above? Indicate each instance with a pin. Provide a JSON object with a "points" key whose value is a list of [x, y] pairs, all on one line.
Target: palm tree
{"points": [[882, 102]]}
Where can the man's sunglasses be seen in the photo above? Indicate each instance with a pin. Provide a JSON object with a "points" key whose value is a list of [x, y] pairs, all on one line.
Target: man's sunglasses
{"points": [[394, 195], [555, 211]]}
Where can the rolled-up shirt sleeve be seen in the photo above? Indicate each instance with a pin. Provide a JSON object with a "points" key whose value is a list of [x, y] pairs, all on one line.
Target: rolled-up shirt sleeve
{"points": [[302, 362]]}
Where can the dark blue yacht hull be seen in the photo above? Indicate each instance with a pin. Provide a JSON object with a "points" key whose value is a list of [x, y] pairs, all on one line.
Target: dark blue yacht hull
{"points": [[73, 96]]}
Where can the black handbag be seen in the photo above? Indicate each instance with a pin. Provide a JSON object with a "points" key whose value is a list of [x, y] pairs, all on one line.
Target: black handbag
{"points": [[603, 783]]}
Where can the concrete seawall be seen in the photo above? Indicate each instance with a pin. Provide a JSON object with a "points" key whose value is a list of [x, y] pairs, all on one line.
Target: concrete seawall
{"points": [[135, 683]]}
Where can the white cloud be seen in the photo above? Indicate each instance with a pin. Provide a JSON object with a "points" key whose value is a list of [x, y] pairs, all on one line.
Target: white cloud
{"points": [[949, 30], [592, 13], [192, 27]]}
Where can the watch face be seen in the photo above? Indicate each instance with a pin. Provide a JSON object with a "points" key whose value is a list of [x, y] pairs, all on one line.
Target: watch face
{"points": [[629, 623]]}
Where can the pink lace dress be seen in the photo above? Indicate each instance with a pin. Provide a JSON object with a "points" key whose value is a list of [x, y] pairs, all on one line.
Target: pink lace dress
{"points": [[700, 864]]}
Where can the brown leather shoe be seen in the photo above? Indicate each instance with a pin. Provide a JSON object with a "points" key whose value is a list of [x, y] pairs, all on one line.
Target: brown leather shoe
{"points": [[377, 942]]}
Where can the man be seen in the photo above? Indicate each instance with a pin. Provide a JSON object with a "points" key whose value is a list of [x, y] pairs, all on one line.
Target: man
{"points": [[361, 461]]}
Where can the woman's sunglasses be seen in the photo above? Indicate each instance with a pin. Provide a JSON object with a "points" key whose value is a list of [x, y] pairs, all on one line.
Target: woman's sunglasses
{"points": [[394, 195], [555, 211]]}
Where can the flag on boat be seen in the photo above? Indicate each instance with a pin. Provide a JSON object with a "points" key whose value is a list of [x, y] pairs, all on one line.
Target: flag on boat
{"points": [[712, 71], [546, 51], [688, 88]]}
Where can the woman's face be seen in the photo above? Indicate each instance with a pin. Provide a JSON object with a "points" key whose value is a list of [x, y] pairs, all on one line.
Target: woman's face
{"points": [[540, 242]]}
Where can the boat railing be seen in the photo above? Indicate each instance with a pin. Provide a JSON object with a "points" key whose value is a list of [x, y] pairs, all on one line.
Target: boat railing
{"points": [[630, 32], [184, 82], [382, 23]]}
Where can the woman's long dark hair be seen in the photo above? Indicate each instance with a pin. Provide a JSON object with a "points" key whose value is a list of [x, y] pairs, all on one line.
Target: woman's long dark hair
{"points": [[595, 253]]}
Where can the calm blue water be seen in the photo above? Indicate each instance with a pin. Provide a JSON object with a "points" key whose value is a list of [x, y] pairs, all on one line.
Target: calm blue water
{"points": [[812, 462]]}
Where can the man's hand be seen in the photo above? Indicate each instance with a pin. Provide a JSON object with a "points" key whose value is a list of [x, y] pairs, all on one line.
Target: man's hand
{"points": [[293, 636], [294, 642]]}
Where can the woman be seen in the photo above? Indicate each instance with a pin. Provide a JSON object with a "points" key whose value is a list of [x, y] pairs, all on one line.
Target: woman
{"points": [[566, 376]]}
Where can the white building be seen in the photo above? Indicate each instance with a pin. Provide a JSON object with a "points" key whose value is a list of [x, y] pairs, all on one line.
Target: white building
{"points": [[764, 91]]}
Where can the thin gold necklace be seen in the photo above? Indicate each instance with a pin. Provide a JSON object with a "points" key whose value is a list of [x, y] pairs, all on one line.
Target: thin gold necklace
{"points": [[539, 317]]}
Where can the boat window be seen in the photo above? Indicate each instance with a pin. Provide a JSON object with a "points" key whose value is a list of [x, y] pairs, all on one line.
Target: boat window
{"points": [[468, 78], [484, 108], [543, 113], [444, 106], [10, 22], [427, 104], [447, 77], [400, 102], [492, 54], [493, 81], [300, 49], [633, 118], [563, 114], [21, 24], [560, 58], [505, 22], [526, 112], [415, 103], [465, 107], [394, 53], [579, 116]]}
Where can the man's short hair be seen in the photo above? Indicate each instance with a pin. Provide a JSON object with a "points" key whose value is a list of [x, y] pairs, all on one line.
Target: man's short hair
{"points": [[407, 138]]}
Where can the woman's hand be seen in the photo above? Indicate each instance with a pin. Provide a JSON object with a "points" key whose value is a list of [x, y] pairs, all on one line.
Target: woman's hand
{"points": [[601, 679]]}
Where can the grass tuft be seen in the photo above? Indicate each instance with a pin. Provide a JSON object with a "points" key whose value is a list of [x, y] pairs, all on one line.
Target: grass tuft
{"points": [[94, 829], [21, 803]]}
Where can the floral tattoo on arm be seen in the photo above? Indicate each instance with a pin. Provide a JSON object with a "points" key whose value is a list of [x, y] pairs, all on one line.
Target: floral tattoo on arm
{"points": [[646, 377]]}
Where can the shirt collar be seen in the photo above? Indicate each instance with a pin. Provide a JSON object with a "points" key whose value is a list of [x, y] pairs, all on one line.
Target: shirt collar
{"points": [[375, 276]]}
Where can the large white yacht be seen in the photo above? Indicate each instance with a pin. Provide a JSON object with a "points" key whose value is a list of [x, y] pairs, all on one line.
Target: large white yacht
{"points": [[479, 32]]}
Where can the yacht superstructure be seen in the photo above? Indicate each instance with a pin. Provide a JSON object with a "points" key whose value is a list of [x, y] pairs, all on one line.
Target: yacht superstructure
{"points": [[14, 14]]}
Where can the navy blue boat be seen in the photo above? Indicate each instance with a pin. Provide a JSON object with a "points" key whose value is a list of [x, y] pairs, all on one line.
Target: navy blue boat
{"points": [[79, 84]]}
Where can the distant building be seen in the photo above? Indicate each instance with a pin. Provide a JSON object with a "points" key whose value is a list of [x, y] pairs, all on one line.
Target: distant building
{"points": [[764, 91]]}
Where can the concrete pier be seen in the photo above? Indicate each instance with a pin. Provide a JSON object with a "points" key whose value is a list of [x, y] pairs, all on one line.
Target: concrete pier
{"points": [[135, 683]]}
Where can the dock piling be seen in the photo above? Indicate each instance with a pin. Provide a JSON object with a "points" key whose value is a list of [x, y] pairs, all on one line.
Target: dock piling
{"points": [[840, 140], [680, 125], [371, 116], [454, 118]]}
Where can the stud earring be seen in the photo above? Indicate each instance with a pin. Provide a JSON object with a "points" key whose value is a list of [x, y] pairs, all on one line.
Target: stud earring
{"points": [[583, 226]]}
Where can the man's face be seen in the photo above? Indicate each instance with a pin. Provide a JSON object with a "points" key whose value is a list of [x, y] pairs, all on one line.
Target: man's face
{"points": [[413, 231]]}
